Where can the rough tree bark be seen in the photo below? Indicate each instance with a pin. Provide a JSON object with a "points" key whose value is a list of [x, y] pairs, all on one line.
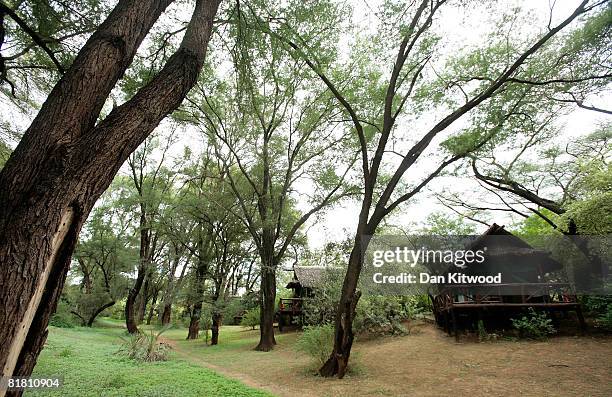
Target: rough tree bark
{"points": [[131, 322], [267, 299], [152, 306], [217, 318], [144, 296], [65, 162], [196, 312]]}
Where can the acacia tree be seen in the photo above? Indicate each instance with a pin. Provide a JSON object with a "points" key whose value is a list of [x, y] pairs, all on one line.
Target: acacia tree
{"points": [[176, 258], [467, 85], [230, 249], [272, 126], [152, 183], [104, 252], [66, 160], [542, 178], [537, 173]]}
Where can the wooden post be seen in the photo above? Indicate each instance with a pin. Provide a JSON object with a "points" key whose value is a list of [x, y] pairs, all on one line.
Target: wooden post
{"points": [[581, 320], [454, 317]]}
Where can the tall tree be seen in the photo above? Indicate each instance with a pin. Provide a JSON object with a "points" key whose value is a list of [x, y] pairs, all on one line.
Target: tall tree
{"points": [[273, 128], [66, 160], [104, 253], [152, 183], [469, 83]]}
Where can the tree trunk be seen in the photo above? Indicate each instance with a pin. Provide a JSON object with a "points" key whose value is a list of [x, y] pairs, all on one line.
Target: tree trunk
{"points": [[143, 298], [65, 161], [337, 364], [266, 300], [216, 324], [95, 314], [130, 303], [166, 314], [152, 307], [194, 322]]}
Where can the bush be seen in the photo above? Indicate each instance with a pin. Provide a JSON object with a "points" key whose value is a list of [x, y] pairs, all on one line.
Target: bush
{"points": [[317, 342], [145, 347], [534, 325], [251, 318], [321, 309], [62, 317], [384, 314], [600, 307]]}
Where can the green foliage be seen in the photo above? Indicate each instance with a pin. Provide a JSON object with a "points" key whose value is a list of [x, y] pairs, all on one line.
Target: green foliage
{"points": [[251, 318], [600, 307], [321, 309], [384, 314], [592, 212], [62, 318], [317, 341], [441, 224], [145, 347], [536, 325], [482, 331]]}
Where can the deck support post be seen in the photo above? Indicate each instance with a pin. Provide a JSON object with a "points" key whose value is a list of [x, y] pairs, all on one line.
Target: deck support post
{"points": [[454, 317], [581, 320]]}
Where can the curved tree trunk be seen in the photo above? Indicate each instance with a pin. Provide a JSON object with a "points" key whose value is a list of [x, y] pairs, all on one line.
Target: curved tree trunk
{"points": [[99, 310], [130, 303], [143, 299], [65, 162]]}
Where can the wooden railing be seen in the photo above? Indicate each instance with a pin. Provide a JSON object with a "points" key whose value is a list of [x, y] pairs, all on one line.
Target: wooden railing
{"points": [[505, 294], [290, 305]]}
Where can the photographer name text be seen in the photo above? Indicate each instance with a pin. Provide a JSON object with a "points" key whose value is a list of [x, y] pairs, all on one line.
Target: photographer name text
{"points": [[426, 278]]}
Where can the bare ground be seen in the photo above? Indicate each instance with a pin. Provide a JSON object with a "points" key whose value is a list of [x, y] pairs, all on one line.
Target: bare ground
{"points": [[425, 363]]}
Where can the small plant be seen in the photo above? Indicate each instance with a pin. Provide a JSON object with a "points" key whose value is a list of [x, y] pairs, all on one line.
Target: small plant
{"points": [[604, 320], [534, 325], [251, 318], [317, 342], [66, 352], [145, 347]]}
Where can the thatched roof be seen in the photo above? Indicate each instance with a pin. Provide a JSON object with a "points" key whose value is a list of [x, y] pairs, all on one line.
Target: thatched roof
{"points": [[513, 247], [307, 276]]}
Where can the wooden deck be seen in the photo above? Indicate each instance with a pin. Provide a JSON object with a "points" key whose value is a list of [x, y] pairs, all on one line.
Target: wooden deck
{"points": [[453, 299]]}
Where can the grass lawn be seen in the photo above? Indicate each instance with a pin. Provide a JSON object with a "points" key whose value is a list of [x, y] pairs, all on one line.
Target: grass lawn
{"points": [[425, 363], [86, 360]]}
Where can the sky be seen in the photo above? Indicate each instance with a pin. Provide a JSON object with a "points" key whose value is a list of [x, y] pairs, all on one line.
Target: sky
{"points": [[462, 28]]}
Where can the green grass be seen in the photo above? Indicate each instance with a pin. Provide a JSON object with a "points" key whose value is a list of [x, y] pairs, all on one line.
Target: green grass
{"points": [[87, 361]]}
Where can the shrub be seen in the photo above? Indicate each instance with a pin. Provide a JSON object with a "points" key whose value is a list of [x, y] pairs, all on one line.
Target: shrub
{"points": [[534, 325], [604, 320], [384, 314], [600, 307], [321, 309], [145, 347], [251, 318], [62, 317], [317, 342]]}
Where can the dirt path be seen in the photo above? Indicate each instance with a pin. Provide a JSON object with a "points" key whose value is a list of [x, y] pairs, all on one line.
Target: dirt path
{"points": [[192, 357], [426, 363]]}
